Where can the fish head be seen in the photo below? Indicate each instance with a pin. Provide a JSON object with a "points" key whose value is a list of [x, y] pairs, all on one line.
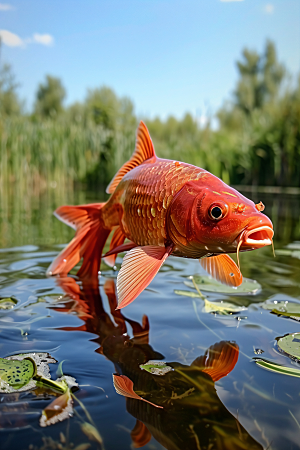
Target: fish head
{"points": [[213, 217]]}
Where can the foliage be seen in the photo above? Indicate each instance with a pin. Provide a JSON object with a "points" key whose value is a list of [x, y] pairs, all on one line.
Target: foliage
{"points": [[49, 97], [257, 141], [10, 104]]}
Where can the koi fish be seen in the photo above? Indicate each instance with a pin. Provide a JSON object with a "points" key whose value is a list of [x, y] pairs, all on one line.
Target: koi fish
{"points": [[163, 208]]}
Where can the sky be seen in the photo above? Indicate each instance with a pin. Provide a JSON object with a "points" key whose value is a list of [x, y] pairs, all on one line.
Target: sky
{"points": [[168, 56]]}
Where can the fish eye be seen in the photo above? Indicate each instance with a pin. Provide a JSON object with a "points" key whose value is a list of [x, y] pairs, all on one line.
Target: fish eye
{"points": [[216, 212]]}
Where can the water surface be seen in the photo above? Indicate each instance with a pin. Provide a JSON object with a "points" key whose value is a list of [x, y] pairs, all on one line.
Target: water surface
{"points": [[249, 407]]}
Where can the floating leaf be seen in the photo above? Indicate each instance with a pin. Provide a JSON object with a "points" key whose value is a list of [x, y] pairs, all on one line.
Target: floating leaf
{"points": [[294, 245], [278, 368], [207, 283], [283, 308], [292, 250], [124, 386], [156, 367], [8, 303], [290, 344], [187, 293], [223, 308], [58, 410], [17, 373]]}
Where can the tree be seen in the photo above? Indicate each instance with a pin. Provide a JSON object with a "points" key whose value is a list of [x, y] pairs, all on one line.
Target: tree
{"points": [[103, 106], [9, 102], [49, 97], [260, 79]]}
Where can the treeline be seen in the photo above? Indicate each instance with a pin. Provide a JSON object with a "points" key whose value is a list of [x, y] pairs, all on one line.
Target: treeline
{"points": [[257, 141]]}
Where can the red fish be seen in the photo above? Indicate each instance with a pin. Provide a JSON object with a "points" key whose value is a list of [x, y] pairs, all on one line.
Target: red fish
{"points": [[162, 207]]}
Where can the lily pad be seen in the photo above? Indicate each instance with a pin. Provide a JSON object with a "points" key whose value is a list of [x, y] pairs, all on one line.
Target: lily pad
{"points": [[290, 344], [278, 368], [294, 245], [8, 303], [292, 249], [156, 367], [41, 361], [283, 308], [209, 284], [17, 373]]}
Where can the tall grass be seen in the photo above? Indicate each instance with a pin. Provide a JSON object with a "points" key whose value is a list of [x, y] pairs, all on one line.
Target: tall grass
{"points": [[36, 155]]}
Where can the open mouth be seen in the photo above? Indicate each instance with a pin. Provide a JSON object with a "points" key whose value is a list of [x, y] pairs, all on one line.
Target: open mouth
{"points": [[259, 237]]}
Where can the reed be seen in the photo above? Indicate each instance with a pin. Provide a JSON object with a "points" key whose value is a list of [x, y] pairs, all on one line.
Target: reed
{"points": [[38, 155]]}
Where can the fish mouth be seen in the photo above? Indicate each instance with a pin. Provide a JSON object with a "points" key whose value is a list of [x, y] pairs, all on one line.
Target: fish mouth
{"points": [[258, 237]]}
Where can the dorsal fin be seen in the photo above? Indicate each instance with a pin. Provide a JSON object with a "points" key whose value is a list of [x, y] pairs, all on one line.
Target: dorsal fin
{"points": [[144, 150]]}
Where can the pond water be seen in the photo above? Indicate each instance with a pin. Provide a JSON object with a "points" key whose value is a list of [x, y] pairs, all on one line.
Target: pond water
{"points": [[215, 397]]}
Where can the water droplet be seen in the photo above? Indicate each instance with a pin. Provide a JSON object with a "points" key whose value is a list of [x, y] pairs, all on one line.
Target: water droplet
{"points": [[258, 351]]}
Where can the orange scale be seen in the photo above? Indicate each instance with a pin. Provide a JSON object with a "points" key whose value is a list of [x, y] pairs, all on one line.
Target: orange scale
{"points": [[170, 198]]}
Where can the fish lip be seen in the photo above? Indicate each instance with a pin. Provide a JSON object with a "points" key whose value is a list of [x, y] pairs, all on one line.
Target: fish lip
{"points": [[263, 236]]}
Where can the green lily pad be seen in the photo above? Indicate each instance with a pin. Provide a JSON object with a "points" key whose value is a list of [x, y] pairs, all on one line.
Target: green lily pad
{"points": [[156, 367], [294, 245], [8, 303], [290, 344], [292, 250], [278, 368], [221, 307], [284, 308], [17, 373], [209, 284]]}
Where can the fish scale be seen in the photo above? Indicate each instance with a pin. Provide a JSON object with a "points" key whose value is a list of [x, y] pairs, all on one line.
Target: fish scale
{"points": [[144, 195]]}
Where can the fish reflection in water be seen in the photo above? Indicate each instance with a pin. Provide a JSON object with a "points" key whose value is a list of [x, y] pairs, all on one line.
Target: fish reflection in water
{"points": [[192, 415]]}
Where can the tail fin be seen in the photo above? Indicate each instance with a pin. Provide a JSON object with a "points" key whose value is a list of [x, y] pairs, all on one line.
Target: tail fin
{"points": [[88, 242]]}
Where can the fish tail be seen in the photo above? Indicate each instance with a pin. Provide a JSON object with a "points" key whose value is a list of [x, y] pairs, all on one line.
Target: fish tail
{"points": [[88, 242]]}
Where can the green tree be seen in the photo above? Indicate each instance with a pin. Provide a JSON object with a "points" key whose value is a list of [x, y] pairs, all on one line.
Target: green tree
{"points": [[49, 97], [9, 102], [260, 77], [103, 107]]}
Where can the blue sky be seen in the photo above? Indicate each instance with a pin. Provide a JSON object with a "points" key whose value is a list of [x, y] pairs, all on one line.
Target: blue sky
{"points": [[168, 56]]}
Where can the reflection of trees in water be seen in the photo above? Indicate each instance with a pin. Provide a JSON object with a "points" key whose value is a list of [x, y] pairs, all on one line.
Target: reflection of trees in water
{"points": [[27, 217], [193, 416]]}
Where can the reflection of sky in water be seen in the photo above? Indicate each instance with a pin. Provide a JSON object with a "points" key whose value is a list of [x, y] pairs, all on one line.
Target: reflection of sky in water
{"points": [[266, 404]]}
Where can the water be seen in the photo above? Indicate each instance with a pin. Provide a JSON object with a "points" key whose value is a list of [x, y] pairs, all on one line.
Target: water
{"points": [[249, 408]]}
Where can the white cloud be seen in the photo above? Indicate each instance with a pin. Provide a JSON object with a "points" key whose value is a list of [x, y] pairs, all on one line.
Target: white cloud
{"points": [[44, 39], [5, 7], [269, 8], [11, 39]]}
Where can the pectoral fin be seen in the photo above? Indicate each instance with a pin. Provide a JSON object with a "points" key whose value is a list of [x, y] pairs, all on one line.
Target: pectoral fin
{"points": [[138, 269], [223, 269]]}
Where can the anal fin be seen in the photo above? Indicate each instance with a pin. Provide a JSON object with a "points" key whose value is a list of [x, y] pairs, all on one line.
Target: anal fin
{"points": [[223, 268], [138, 269]]}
